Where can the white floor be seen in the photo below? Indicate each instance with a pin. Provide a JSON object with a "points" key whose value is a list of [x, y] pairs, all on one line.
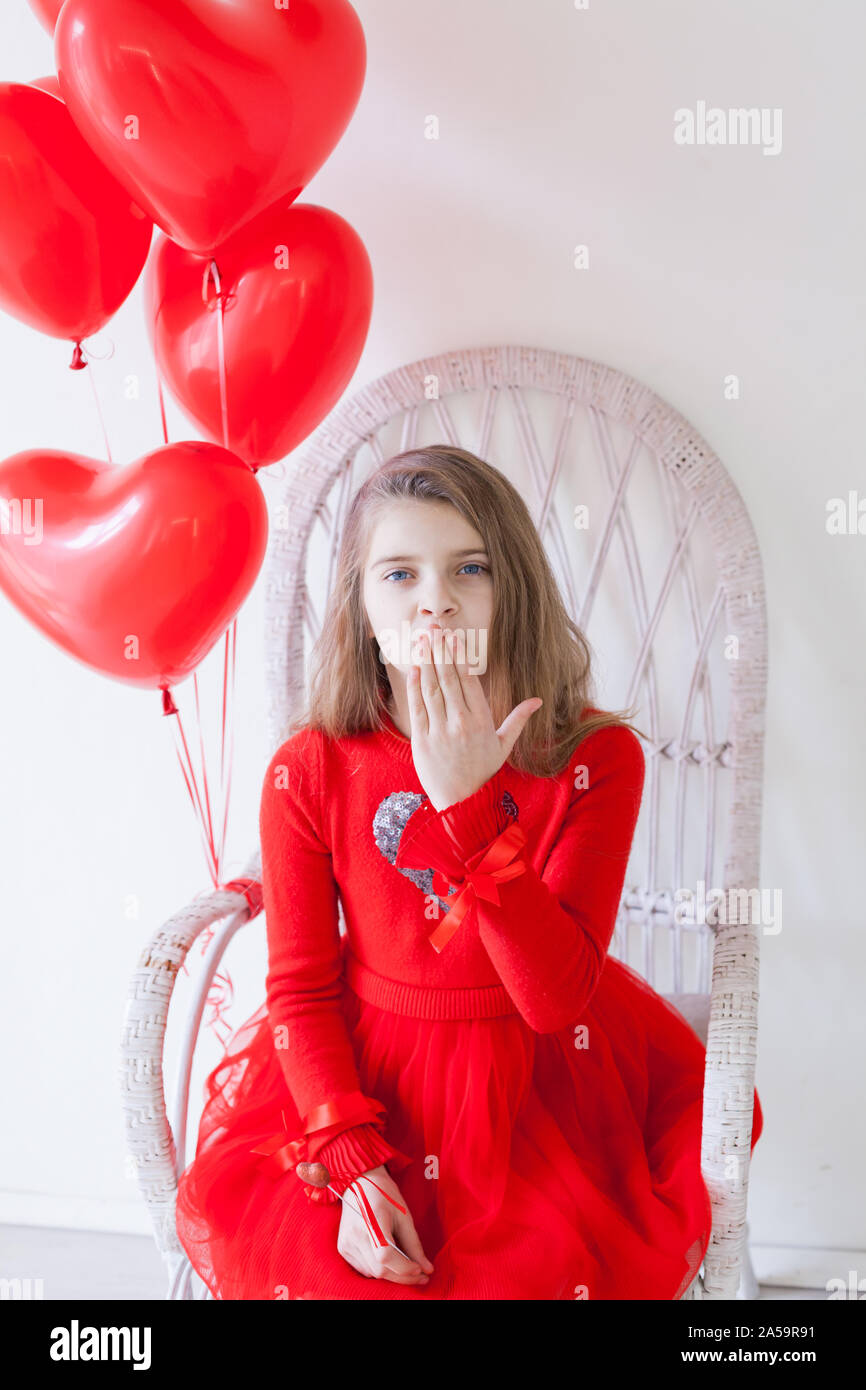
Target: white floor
{"points": [[92, 1265]]}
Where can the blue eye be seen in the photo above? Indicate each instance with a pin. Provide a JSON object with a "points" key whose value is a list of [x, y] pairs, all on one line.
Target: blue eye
{"points": [[469, 565]]}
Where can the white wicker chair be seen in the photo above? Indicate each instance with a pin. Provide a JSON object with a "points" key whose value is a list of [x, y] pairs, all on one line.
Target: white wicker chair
{"points": [[553, 423]]}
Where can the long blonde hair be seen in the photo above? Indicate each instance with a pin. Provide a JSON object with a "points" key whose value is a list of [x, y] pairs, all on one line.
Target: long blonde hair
{"points": [[548, 657]]}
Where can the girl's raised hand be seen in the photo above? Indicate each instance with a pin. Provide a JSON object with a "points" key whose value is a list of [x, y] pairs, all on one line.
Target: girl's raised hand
{"points": [[456, 747]]}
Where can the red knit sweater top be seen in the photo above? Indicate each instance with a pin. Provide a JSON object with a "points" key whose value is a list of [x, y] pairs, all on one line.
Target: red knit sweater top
{"points": [[334, 815]]}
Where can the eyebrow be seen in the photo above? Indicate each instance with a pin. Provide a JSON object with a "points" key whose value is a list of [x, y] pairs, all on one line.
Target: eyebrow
{"points": [[410, 559]]}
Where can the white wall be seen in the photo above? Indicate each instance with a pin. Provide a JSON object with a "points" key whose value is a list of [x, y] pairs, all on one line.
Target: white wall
{"points": [[556, 128]]}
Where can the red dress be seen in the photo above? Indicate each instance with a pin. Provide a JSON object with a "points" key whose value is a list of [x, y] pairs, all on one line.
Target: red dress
{"points": [[536, 1101]]}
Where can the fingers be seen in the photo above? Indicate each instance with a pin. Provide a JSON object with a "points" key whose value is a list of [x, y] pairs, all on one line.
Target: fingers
{"points": [[445, 653], [512, 725], [410, 1272], [441, 686], [473, 692], [418, 723], [385, 1264], [406, 1236], [431, 692]]}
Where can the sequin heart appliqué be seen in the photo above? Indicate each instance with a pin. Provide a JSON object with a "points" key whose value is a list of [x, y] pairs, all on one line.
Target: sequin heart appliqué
{"points": [[389, 823]]}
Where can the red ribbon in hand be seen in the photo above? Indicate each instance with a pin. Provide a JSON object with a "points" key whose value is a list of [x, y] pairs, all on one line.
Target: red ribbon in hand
{"points": [[484, 871], [377, 1235]]}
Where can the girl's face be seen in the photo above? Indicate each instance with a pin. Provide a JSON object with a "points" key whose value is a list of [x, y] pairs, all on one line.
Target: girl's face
{"points": [[426, 563]]}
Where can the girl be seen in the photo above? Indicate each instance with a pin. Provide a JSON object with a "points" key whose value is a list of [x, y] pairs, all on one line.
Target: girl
{"points": [[463, 1097]]}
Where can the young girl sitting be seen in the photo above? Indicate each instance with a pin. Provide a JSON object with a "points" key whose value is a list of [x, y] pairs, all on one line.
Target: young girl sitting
{"points": [[464, 1096]]}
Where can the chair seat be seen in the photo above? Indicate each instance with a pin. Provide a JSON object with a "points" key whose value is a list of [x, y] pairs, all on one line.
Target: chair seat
{"points": [[695, 1009]]}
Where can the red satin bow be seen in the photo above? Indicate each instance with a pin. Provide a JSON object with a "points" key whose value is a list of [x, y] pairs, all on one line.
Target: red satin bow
{"points": [[320, 1125], [483, 871], [281, 1155]]}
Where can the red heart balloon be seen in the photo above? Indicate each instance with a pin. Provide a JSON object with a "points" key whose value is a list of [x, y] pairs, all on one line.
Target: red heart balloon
{"points": [[209, 111], [298, 290], [135, 570], [72, 242]]}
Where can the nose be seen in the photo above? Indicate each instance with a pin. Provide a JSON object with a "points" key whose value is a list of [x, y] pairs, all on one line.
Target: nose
{"points": [[437, 604], [429, 616]]}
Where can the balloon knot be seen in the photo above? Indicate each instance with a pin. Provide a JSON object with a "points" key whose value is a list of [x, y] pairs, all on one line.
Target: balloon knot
{"points": [[77, 359], [168, 705]]}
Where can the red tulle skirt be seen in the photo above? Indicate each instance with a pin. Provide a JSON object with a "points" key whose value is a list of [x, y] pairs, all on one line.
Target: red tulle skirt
{"points": [[547, 1165]]}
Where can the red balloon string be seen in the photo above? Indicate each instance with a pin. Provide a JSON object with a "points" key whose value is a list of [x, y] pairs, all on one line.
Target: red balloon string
{"points": [[219, 997], [161, 402], [205, 787], [221, 299], [231, 637], [189, 778], [221, 990], [227, 719], [201, 801], [78, 363]]}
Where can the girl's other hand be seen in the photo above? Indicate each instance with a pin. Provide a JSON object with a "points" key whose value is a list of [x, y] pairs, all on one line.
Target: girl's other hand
{"points": [[384, 1262]]}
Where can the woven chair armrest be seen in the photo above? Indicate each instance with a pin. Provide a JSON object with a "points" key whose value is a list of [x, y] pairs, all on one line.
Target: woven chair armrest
{"points": [[729, 1082], [149, 1139]]}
